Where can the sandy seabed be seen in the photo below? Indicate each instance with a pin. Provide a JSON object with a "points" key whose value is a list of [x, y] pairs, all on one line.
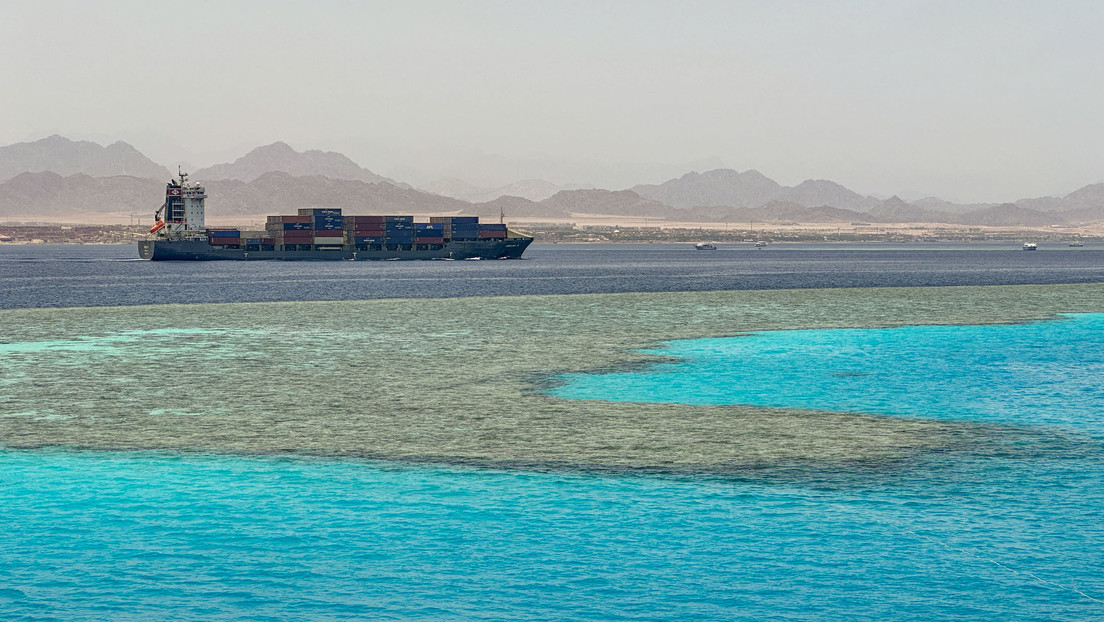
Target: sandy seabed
{"points": [[461, 380]]}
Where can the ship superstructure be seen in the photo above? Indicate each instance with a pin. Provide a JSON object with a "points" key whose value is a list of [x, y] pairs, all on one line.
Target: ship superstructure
{"points": [[320, 234], [182, 216]]}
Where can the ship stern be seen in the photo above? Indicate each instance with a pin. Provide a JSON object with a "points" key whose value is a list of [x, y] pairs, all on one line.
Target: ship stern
{"points": [[146, 249]]}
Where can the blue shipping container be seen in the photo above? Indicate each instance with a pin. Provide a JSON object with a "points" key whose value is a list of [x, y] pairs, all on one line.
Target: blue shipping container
{"points": [[213, 233]]}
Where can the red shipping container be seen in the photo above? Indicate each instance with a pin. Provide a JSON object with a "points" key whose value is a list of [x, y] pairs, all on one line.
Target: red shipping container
{"points": [[298, 219], [492, 235], [224, 241], [436, 240]]}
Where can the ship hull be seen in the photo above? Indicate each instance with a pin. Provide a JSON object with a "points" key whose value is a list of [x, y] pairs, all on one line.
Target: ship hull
{"points": [[200, 250]]}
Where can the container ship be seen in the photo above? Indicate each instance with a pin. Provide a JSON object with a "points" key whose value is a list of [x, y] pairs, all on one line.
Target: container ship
{"points": [[320, 234]]}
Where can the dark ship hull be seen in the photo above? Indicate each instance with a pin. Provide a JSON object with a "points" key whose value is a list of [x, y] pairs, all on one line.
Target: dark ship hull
{"points": [[201, 250]]}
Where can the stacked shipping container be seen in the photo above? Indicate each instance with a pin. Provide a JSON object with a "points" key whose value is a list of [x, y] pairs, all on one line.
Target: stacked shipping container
{"points": [[312, 228], [224, 237]]}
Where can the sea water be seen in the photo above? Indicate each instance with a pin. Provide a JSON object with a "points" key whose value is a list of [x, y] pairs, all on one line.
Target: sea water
{"points": [[79, 276], [155, 535], [1038, 373], [512, 458]]}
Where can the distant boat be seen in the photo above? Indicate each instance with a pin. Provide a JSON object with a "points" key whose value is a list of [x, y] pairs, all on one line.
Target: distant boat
{"points": [[760, 244], [1076, 244], [1030, 246], [705, 246]]}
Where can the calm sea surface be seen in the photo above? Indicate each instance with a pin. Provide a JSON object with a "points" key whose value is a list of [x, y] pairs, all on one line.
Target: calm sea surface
{"points": [[801, 433], [52, 275]]}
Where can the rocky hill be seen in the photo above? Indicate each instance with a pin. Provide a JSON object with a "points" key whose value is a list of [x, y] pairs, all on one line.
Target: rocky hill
{"points": [[818, 192], [48, 194], [726, 187], [531, 189], [1008, 215], [609, 202], [280, 157], [66, 157], [282, 193], [58, 177], [514, 207]]}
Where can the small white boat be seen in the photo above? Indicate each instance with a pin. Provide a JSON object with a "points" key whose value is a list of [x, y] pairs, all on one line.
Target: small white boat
{"points": [[1076, 244], [705, 246], [1030, 246], [760, 244]]}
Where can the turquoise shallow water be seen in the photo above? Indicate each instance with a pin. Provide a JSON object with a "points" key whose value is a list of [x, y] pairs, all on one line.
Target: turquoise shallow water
{"points": [[1039, 373], [146, 536], [105, 535]]}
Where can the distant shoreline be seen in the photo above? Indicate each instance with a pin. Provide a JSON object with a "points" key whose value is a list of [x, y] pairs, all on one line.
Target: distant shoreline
{"points": [[587, 228]]}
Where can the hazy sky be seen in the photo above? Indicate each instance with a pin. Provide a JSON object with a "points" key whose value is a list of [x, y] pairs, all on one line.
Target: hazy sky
{"points": [[972, 101]]}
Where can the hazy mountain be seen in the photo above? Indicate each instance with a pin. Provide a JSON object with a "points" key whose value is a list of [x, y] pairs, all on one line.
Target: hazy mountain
{"points": [[491, 171], [717, 187], [821, 192], [1043, 204], [452, 187], [532, 189], [280, 157], [283, 193], [788, 211], [935, 204], [894, 209], [773, 212], [726, 187], [66, 157], [514, 207], [1007, 215], [50, 194], [1091, 197], [608, 202], [277, 179]]}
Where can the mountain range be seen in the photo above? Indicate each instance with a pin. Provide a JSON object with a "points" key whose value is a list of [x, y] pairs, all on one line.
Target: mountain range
{"points": [[281, 157], [57, 177], [65, 157]]}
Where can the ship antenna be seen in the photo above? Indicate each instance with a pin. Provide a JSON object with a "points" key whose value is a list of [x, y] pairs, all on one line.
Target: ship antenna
{"points": [[501, 214]]}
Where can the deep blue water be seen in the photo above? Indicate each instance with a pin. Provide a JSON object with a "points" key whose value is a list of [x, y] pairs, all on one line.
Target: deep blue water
{"points": [[79, 276], [95, 536]]}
